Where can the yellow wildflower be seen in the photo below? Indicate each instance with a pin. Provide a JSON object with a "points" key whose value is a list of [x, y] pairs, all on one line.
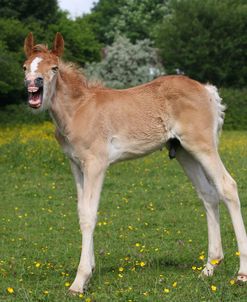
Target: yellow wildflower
{"points": [[46, 292], [10, 290], [38, 264], [142, 263], [237, 253], [214, 261], [121, 269], [213, 288], [194, 267], [166, 290], [174, 284], [232, 282], [67, 284]]}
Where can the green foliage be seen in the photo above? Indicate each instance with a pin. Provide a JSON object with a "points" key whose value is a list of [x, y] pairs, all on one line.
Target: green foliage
{"points": [[26, 11], [100, 17], [20, 114], [126, 64], [207, 40], [12, 34], [131, 18], [81, 45], [236, 113]]}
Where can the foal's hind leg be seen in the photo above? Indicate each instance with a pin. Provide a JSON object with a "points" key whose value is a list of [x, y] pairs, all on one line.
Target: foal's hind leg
{"points": [[208, 194], [226, 187]]}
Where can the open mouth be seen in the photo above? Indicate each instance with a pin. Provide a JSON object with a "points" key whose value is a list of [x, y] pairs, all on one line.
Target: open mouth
{"points": [[35, 97]]}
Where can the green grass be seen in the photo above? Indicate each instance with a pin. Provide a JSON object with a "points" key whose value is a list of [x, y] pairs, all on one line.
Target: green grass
{"points": [[149, 214]]}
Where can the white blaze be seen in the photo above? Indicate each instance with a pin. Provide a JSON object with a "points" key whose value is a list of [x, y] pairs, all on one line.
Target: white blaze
{"points": [[34, 64]]}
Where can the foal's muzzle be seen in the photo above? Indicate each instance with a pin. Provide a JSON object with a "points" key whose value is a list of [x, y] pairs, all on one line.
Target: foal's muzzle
{"points": [[37, 82], [35, 91]]}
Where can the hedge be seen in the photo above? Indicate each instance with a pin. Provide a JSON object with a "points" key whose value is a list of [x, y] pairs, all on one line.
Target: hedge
{"points": [[236, 112]]}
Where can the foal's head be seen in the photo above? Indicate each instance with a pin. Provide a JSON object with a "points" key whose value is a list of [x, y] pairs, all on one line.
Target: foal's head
{"points": [[41, 70]]}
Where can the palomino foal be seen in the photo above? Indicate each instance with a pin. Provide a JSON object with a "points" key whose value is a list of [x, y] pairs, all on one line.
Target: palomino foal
{"points": [[97, 126]]}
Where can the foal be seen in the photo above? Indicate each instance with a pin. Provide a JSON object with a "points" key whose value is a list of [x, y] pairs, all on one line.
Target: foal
{"points": [[97, 126]]}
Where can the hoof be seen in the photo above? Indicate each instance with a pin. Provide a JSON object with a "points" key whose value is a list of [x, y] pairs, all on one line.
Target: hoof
{"points": [[241, 279], [207, 272], [75, 290], [73, 293], [210, 267]]}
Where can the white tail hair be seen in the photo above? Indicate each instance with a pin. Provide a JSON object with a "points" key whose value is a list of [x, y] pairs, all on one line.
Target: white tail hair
{"points": [[218, 106]]}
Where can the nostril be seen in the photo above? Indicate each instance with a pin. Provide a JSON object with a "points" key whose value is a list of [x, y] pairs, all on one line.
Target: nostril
{"points": [[27, 82], [39, 82]]}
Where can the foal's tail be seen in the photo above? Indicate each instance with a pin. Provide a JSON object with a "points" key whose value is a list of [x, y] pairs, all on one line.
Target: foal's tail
{"points": [[219, 108]]}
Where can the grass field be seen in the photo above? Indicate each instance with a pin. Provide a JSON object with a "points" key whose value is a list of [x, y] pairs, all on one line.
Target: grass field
{"points": [[151, 235]]}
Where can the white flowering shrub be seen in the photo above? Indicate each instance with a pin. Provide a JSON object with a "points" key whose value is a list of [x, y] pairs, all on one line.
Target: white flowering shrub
{"points": [[126, 64]]}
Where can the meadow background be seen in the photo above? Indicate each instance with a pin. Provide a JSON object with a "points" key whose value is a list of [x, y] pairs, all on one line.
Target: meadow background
{"points": [[151, 235]]}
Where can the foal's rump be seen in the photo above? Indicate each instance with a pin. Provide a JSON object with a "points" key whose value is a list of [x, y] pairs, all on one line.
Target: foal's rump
{"points": [[195, 112]]}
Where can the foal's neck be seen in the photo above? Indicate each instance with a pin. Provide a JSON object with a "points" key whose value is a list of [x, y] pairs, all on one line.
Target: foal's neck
{"points": [[69, 95]]}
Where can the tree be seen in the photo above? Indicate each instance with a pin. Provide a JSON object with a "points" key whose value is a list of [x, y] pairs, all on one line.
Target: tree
{"points": [[12, 34], [43, 11], [137, 19], [126, 64], [206, 40], [81, 45], [131, 18]]}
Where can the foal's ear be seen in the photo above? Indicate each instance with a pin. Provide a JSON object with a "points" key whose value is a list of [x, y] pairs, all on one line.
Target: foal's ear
{"points": [[28, 44], [58, 45]]}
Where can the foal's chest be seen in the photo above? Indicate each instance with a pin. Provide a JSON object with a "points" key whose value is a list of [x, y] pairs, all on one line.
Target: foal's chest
{"points": [[67, 147]]}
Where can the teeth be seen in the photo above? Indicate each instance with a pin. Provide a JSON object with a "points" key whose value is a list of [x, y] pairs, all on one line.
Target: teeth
{"points": [[32, 89], [35, 97]]}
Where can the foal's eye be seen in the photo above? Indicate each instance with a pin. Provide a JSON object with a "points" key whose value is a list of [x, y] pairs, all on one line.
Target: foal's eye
{"points": [[54, 68], [24, 68]]}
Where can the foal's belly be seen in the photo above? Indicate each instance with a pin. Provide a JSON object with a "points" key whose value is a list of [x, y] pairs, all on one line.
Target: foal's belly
{"points": [[121, 149]]}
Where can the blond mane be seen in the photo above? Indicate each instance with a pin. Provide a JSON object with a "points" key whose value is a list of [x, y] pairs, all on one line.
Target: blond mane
{"points": [[76, 73], [40, 48]]}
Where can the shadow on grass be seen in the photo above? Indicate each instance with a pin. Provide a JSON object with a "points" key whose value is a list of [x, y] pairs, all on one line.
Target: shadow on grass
{"points": [[170, 263]]}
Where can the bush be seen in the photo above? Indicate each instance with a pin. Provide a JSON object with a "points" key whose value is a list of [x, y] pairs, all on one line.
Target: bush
{"points": [[12, 33], [236, 112], [20, 114], [126, 64]]}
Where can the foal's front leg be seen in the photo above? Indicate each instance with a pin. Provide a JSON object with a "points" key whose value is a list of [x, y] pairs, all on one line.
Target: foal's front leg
{"points": [[87, 210]]}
